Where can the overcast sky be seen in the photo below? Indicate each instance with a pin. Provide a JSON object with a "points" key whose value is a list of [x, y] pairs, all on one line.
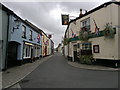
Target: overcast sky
{"points": [[47, 15]]}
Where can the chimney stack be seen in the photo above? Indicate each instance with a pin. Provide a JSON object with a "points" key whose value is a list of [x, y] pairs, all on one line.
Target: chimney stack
{"points": [[80, 13], [85, 11]]}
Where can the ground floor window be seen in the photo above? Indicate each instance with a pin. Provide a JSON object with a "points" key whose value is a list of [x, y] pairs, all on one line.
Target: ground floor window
{"points": [[86, 49], [37, 51], [86, 46], [27, 51]]}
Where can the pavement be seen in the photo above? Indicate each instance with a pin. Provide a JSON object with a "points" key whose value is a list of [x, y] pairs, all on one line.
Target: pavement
{"points": [[12, 76], [92, 67]]}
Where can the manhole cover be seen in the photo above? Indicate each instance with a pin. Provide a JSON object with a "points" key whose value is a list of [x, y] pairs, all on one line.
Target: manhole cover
{"points": [[25, 81]]}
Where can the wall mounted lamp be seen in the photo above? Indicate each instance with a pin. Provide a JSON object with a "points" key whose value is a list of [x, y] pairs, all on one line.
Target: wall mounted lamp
{"points": [[17, 24]]}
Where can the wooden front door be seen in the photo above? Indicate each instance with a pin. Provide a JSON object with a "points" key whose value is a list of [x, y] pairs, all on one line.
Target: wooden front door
{"points": [[75, 53]]}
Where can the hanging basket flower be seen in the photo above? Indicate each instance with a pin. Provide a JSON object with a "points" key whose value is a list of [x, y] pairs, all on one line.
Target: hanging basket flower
{"points": [[65, 41], [109, 31], [83, 35]]}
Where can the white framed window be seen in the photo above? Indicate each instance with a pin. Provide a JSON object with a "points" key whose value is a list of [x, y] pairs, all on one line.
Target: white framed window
{"points": [[85, 24], [23, 31], [27, 51]]}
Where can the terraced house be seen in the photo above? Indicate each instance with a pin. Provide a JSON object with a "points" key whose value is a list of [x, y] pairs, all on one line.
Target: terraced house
{"points": [[45, 44], [21, 40], [95, 35]]}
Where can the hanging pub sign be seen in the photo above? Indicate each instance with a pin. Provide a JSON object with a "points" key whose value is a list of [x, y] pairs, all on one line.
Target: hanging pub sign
{"points": [[65, 19]]}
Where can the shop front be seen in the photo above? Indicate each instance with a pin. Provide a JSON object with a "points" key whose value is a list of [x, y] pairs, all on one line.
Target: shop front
{"points": [[31, 52]]}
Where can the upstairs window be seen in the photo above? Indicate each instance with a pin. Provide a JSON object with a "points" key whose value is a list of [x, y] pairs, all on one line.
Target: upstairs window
{"points": [[85, 24], [30, 35], [23, 31]]}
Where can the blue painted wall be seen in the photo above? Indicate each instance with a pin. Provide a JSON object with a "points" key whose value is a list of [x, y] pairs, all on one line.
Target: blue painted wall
{"points": [[17, 36], [3, 37]]}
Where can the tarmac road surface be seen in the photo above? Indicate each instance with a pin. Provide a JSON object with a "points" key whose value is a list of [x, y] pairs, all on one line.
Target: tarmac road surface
{"points": [[56, 73]]}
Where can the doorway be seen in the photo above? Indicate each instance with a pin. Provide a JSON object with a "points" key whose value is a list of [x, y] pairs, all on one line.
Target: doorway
{"points": [[75, 58], [12, 54]]}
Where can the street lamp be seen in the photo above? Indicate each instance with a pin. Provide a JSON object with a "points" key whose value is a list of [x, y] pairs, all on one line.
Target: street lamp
{"points": [[17, 24]]}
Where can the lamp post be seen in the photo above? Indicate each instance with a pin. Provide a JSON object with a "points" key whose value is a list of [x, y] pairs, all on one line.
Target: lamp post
{"points": [[17, 24]]}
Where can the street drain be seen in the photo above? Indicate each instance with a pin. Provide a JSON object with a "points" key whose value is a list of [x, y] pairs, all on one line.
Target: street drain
{"points": [[25, 81]]}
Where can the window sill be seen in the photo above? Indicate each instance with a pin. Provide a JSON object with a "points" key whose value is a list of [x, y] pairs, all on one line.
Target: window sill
{"points": [[31, 39]]}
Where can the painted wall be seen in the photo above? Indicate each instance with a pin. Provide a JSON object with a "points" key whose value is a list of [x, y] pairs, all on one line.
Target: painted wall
{"points": [[66, 50], [43, 36], [44, 39], [66, 47], [108, 47], [119, 32], [1, 24], [3, 35], [1, 40], [50, 46], [17, 36]]}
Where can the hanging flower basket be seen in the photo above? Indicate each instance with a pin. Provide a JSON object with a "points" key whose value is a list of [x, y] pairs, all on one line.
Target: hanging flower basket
{"points": [[84, 35], [109, 31], [65, 41]]}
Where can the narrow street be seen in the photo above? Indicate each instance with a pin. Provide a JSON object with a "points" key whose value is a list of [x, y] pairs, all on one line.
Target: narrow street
{"points": [[56, 73], [60, 44]]}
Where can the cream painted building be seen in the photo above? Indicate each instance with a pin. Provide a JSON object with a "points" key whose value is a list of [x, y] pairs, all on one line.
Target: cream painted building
{"points": [[99, 45], [45, 42]]}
